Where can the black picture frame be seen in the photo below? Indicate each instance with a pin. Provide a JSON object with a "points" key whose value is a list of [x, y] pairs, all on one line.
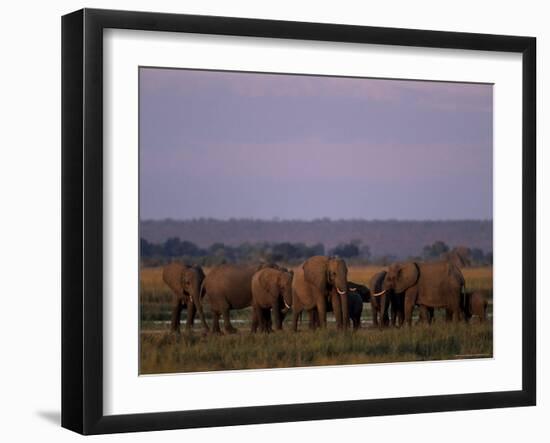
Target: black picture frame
{"points": [[82, 220]]}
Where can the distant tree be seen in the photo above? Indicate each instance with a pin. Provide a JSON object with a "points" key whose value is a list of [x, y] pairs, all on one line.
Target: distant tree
{"points": [[316, 249], [477, 255], [346, 250], [285, 251], [191, 249], [364, 252], [214, 247], [145, 248], [435, 250], [171, 247], [174, 247]]}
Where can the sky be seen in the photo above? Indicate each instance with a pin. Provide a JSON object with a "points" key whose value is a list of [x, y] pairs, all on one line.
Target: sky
{"points": [[226, 145]]}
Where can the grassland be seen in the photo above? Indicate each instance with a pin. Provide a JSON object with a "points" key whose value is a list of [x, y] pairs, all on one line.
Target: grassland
{"points": [[163, 352]]}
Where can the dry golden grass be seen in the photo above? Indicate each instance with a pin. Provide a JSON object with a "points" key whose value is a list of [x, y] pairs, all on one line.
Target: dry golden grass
{"points": [[156, 298], [476, 278]]}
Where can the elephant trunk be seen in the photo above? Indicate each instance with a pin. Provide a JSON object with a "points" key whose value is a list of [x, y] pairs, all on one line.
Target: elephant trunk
{"points": [[345, 310], [342, 290], [341, 286]]}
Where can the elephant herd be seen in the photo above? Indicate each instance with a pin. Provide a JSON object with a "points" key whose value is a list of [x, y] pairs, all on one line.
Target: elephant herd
{"points": [[318, 286]]}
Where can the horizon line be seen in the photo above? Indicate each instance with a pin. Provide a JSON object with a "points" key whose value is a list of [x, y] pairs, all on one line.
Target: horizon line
{"points": [[324, 219]]}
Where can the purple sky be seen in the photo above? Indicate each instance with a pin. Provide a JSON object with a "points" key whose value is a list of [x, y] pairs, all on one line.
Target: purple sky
{"points": [[239, 145]]}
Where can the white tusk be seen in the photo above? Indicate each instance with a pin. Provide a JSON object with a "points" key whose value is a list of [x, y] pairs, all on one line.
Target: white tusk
{"points": [[340, 292], [378, 294], [286, 306], [352, 289]]}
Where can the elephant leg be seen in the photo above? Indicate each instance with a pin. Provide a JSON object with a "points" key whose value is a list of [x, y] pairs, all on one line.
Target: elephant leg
{"points": [[483, 317], [409, 306], [424, 315], [375, 317], [385, 322], [216, 322], [400, 315], [176, 313], [393, 316], [268, 320], [277, 316], [227, 326], [337, 309], [344, 303], [322, 312], [313, 319], [315, 316], [295, 315], [198, 308], [456, 316], [256, 319], [190, 315], [265, 323]]}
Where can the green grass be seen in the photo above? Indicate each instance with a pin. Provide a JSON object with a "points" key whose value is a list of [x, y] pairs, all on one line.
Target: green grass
{"points": [[163, 352]]}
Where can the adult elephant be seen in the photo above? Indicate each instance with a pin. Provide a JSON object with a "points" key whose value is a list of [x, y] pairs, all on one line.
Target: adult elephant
{"points": [[317, 280], [229, 286], [185, 282], [429, 285], [271, 293]]}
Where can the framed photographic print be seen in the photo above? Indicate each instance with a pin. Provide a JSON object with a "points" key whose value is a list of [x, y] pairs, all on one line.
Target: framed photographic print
{"points": [[258, 214]]}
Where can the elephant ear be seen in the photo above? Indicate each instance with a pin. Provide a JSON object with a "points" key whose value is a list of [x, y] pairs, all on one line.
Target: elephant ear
{"points": [[407, 276], [183, 275], [376, 282], [455, 272], [315, 271]]}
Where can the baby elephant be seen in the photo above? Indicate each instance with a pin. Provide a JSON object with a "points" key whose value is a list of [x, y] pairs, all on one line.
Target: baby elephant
{"points": [[271, 291], [357, 295], [475, 303]]}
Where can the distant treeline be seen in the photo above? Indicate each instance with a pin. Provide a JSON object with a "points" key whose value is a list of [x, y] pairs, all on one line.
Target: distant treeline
{"points": [[384, 237], [355, 252]]}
